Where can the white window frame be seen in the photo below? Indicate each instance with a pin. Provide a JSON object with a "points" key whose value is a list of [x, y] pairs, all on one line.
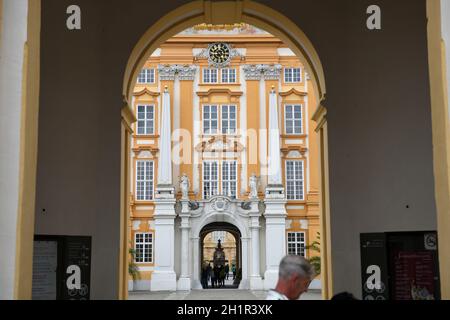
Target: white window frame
{"points": [[228, 119], [145, 180], [145, 120], [298, 245], [146, 76], [302, 198], [290, 72], [147, 245], [210, 180], [216, 235], [210, 119], [292, 120], [229, 182], [207, 75], [226, 75]]}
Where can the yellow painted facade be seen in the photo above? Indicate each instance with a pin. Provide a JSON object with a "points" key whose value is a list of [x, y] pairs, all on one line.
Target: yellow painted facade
{"points": [[189, 95]]}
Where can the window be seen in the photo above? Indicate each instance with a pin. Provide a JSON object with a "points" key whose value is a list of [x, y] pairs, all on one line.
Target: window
{"points": [[209, 75], [293, 119], [147, 76], [229, 179], [145, 119], [216, 235], [143, 245], [295, 180], [228, 119], [210, 119], [292, 75], [296, 243], [210, 179], [228, 75], [144, 180]]}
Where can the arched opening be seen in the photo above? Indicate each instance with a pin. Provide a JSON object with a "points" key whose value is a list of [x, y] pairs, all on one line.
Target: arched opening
{"points": [[221, 256], [195, 13]]}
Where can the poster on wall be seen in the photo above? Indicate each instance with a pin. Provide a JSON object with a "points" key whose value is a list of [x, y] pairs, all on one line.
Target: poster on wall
{"points": [[61, 267], [77, 262], [400, 266], [414, 266], [45, 264], [374, 266]]}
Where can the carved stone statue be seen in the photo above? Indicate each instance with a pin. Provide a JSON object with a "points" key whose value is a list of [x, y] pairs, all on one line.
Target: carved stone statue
{"points": [[253, 184], [184, 186], [219, 255]]}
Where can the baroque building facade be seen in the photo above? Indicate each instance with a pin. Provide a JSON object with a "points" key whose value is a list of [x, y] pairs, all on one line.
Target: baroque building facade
{"points": [[223, 142]]}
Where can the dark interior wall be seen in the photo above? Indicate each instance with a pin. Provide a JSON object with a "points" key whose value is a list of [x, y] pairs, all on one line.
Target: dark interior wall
{"points": [[378, 114]]}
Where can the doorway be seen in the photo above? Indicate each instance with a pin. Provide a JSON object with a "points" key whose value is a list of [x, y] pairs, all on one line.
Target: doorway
{"points": [[220, 256]]}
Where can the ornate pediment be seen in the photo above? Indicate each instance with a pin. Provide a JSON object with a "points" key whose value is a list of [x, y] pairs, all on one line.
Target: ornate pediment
{"points": [[145, 151], [294, 152], [145, 91], [293, 91], [219, 144]]}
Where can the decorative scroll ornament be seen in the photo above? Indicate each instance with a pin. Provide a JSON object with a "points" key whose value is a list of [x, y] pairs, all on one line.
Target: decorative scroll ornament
{"points": [[253, 71], [210, 53], [220, 203], [272, 72], [186, 72], [194, 205], [167, 72], [170, 71], [266, 71]]}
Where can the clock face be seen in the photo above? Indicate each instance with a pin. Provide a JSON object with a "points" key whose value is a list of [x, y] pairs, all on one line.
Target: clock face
{"points": [[219, 53]]}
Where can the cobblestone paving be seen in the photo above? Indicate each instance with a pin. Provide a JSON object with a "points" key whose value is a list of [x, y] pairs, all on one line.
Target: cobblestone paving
{"points": [[213, 294]]}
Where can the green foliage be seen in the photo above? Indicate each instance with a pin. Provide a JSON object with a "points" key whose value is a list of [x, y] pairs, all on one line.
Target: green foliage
{"points": [[316, 260], [132, 266]]}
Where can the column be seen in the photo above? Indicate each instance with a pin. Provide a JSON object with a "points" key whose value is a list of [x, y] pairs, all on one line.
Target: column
{"points": [[255, 276], [196, 272], [275, 213], [19, 104], [184, 282], [186, 75], [252, 96], [244, 284], [164, 277]]}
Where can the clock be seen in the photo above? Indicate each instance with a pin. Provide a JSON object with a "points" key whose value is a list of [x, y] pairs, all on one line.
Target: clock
{"points": [[219, 54]]}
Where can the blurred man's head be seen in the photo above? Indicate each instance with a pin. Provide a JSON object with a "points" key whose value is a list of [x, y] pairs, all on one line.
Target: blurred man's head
{"points": [[295, 275]]}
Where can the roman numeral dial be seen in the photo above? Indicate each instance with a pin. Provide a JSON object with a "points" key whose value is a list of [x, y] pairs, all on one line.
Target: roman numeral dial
{"points": [[219, 53]]}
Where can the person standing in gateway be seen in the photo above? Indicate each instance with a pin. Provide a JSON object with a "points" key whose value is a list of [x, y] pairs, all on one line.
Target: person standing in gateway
{"points": [[294, 277]]}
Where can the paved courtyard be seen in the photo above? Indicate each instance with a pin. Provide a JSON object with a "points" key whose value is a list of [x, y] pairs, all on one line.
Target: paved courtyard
{"points": [[213, 294]]}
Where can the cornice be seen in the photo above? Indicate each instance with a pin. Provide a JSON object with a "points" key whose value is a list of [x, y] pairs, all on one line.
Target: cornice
{"points": [[146, 91], [320, 117], [220, 90], [293, 91]]}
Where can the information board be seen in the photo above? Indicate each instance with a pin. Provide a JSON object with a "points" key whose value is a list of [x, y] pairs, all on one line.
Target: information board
{"points": [[45, 265], [61, 267]]}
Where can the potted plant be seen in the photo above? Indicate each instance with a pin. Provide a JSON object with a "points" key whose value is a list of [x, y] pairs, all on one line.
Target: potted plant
{"points": [[315, 261], [133, 269]]}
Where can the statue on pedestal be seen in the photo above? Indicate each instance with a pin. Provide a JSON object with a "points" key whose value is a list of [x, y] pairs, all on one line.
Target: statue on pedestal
{"points": [[184, 186], [219, 256], [253, 184]]}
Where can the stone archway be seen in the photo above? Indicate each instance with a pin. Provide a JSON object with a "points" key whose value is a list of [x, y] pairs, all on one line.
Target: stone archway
{"points": [[208, 217], [227, 227], [226, 12]]}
